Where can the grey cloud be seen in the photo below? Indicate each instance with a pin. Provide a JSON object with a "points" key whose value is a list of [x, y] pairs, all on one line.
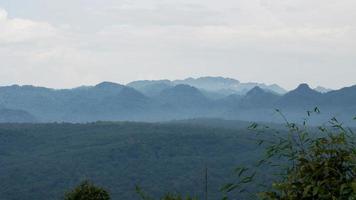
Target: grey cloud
{"points": [[76, 42], [165, 15]]}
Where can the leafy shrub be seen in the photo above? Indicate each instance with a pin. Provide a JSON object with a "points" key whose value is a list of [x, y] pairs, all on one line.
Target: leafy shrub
{"points": [[325, 170], [143, 196], [321, 165], [87, 191], [175, 197]]}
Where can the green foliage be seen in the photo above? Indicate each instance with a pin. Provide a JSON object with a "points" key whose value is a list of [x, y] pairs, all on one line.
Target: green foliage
{"points": [[160, 157], [308, 163], [168, 196], [176, 197], [87, 191], [323, 167], [326, 170]]}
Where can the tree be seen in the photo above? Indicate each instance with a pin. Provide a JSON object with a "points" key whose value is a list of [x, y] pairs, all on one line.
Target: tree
{"points": [[324, 170], [87, 191], [176, 197], [321, 165], [168, 196]]}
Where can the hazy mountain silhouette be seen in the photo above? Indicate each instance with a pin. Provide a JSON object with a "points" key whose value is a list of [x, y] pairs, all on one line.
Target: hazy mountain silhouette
{"points": [[322, 89], [183, 95], [341, 98], [216, 84], [183, 98], [18, 116], [259, 98], [210, 86], [166, 100], [302, 97], [105, 101], [151, 88]]}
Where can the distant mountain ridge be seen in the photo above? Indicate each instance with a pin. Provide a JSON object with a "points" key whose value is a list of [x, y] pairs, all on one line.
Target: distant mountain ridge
{"points": [[303, 96], [258, 98], [169, 100], [322, 89], [217, 85], [16, 116]]}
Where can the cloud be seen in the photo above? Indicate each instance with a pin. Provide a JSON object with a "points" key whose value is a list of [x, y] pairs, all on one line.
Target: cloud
{"points": [[3, 14], [72, 42], [23, 30], [164, 14]]}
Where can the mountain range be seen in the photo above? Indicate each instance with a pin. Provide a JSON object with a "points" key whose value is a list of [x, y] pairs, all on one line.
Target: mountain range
{"points": [[164, 100], [214, 86]]}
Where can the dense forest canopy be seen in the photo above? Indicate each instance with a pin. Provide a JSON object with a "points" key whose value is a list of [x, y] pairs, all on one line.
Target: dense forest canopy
{"points": [[43, 161]]}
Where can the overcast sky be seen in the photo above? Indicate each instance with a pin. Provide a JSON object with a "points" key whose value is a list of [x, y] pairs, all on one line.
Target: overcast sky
{"points": [[67, 43]]}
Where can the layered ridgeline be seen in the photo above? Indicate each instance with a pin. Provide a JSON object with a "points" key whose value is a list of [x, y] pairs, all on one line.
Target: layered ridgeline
{"points": [[209, 97]]}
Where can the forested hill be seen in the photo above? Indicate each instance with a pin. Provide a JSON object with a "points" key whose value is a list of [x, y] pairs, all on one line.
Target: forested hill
{"points": [[42, 161]]}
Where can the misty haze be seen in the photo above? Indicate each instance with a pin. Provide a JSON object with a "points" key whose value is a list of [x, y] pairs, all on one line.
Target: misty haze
{"points": [[177, 100]]}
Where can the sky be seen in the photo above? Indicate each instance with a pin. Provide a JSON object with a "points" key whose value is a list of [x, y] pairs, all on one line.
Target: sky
{"points": [[68, 43]]}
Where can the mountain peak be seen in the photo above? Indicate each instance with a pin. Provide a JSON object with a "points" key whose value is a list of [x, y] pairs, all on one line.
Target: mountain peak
{"points": [[303, 97], [107, 84], [209, 79], [303, 86], [185, 88], [218, 78], [182, 90], [258, 97], [184, 96], [322, 89], [147, 83], [255, 91]]}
